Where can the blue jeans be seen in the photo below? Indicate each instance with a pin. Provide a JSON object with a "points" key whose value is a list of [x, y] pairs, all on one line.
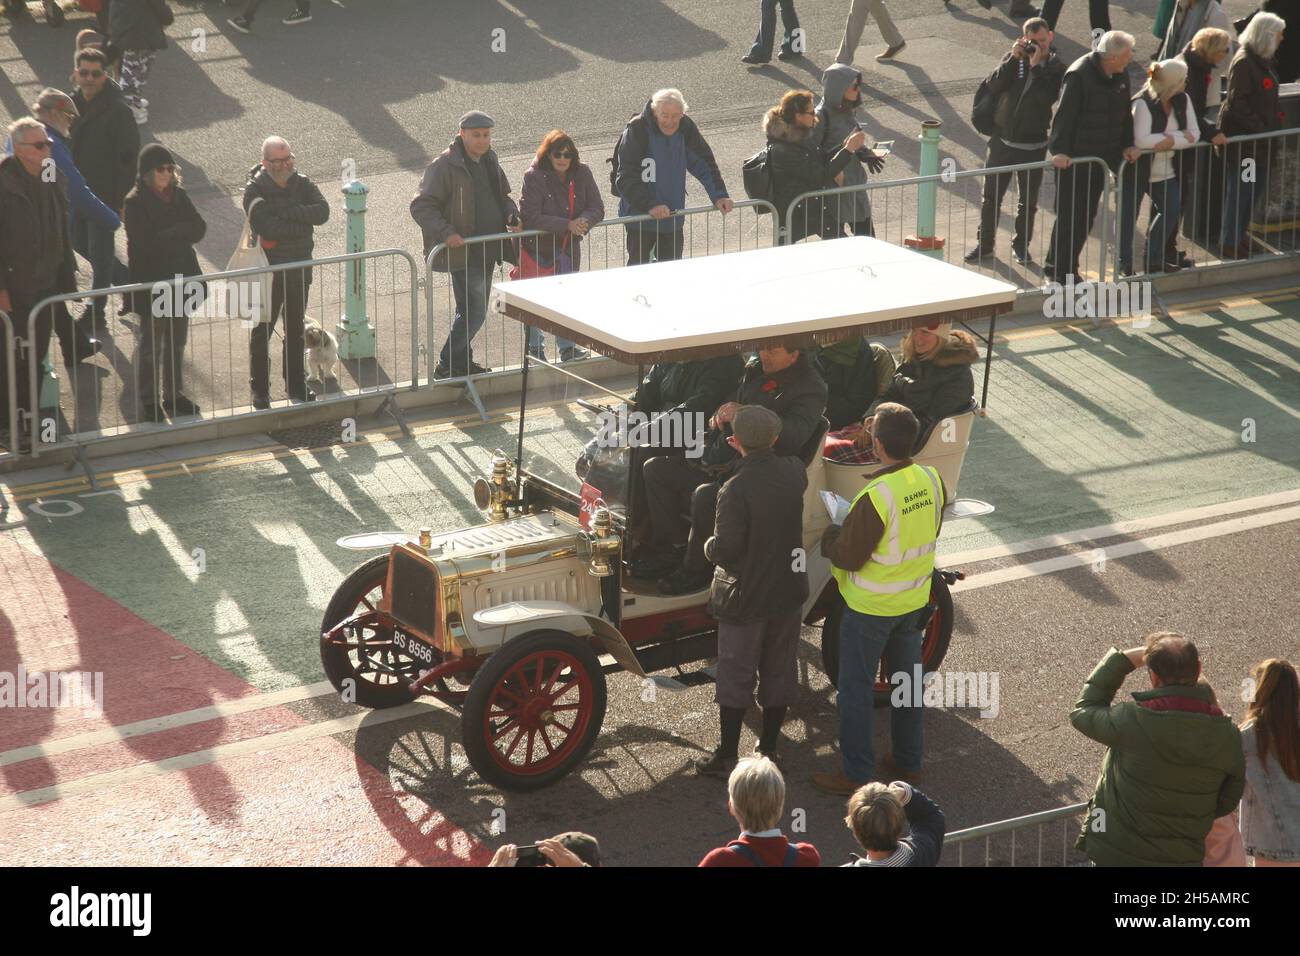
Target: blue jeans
{"points": [[94, 242], [863, 638], [1166, 201], [470, 288], [1237, 206], [766, 37]]}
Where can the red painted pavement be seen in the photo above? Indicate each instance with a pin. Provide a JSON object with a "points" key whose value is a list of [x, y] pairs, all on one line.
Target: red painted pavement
{"points": [[314, 802]]}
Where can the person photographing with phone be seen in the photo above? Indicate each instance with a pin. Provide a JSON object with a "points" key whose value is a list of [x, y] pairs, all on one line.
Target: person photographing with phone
{"points": [[565, 849]]}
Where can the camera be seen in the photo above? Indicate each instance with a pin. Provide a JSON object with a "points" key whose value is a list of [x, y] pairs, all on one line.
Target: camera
{"points": [[1030, 48]]}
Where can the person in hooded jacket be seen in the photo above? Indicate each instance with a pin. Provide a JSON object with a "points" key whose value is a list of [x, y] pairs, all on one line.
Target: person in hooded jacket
{"points": [[837, 119], [162, 229], [934, 381], [559, 194], [857, 373], [284, 207], [798, 166]]}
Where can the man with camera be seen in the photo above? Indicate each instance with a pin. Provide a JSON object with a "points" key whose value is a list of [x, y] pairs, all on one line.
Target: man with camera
{"points": [[1022, 91]]}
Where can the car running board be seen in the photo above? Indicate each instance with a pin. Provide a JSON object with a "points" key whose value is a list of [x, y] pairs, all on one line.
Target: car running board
{"points": [[686, 680], [966, 508]]}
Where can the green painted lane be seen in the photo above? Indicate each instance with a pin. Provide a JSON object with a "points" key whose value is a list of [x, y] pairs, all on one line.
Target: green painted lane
{"points": [[1084, 429]]}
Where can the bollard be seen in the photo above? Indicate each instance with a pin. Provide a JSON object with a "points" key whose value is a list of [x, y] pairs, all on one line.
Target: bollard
{"points": [[355, 333], [924, 240]]}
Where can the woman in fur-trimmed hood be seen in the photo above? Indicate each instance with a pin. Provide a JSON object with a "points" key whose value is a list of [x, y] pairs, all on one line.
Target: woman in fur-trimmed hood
{"points": [[798, 165], [934, 381]]}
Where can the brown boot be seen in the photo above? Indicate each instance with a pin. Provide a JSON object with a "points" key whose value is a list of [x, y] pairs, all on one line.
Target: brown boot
{"points": [[835, 783]]}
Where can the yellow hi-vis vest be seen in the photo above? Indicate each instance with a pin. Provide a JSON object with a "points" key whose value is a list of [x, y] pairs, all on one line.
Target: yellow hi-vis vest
{"points": [[896, 579]]}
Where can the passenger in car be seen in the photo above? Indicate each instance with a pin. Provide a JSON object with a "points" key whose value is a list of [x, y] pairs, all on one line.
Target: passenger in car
{"points": [[857, 373], [934, 381]]}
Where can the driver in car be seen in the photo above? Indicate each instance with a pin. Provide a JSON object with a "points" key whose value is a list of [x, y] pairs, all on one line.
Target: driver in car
{"points": [[781, 379]]}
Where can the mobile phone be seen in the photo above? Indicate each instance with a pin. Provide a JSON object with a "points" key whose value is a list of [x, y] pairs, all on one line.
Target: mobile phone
{"points": [[529, 855], [885, 148]]}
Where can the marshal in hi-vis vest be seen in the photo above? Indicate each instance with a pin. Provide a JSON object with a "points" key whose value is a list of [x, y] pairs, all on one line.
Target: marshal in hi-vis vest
{"points": [[896, 580]]}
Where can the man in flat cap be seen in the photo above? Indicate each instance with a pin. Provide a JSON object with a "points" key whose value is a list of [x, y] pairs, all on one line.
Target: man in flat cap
{"points": [[464, 194], [759, 585]]}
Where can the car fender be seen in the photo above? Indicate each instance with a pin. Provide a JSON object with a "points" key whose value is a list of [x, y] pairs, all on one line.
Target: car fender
{"points": [[517, 618]]}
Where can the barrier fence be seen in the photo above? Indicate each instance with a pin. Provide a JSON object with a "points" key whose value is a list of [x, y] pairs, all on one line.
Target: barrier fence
{"points": [[459, 279], [1002, 840], [1216, 218], [1095, 215], [148, 368], [968, 206], [9, 393]]}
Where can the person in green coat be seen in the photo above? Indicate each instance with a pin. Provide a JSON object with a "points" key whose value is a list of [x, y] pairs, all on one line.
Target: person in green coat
{"points": [[1174, 762], [857, 373]]}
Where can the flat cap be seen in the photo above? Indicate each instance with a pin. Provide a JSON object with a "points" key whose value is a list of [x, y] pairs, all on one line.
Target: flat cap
{"points": [[755, 427], [476, 119], [51, 99]]}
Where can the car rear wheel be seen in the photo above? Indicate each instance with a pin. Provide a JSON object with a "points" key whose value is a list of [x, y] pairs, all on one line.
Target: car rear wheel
{"points": [[533, 710], [364, 664], [938, 635]]}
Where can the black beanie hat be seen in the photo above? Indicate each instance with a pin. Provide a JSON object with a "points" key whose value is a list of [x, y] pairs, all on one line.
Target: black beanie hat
{"points": [[153, 156]]}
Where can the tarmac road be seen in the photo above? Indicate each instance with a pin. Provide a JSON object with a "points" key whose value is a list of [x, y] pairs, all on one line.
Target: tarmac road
{"points": [[194, 582]]}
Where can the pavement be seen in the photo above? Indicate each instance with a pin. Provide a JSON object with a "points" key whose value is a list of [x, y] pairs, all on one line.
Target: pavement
{"points": [[1144, 478]]}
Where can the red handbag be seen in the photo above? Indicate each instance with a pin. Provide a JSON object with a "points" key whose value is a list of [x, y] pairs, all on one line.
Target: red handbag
{"points": [[530, 268]]}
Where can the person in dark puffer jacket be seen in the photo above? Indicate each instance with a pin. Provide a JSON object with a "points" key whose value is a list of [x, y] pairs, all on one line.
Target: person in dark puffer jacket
{"points": [[857, 372], [284, 207], [1251, 106], [798, 166], [162, 228], [934, 381], [1093, 118]]}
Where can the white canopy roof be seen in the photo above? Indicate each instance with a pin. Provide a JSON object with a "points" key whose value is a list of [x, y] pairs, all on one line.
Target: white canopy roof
{"points": [[705, 305]]}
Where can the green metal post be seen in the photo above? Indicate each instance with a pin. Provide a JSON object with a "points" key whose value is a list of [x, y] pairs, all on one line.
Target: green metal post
{"points": [[355, 333], [924, 239]]}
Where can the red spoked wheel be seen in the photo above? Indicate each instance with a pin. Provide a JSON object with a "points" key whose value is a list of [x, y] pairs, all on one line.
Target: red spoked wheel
{"points": [[364, 663], [938, 635], [533, 710]]}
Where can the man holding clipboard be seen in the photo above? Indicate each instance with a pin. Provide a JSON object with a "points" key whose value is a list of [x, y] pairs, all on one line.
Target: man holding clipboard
{"points": [[882, 559]]}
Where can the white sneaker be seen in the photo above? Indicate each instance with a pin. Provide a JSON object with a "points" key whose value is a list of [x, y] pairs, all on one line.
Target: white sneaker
{"points": [[141, 115]]}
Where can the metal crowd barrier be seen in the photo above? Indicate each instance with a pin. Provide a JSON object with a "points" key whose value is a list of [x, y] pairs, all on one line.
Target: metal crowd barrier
{"points": [[100, 395], [485, 341], [1269, 213], [893, 206], [9, 394], [1001, 843]]}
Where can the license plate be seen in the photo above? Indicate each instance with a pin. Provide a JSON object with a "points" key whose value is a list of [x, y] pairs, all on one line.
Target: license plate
{"points": [[413, 647]]}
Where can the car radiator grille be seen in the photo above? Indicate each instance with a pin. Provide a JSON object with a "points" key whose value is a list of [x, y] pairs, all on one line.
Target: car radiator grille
{"points": [[414, 593]]}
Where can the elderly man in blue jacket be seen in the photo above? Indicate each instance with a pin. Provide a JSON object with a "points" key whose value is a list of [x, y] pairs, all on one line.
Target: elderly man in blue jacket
{"points": [[654, 154]]}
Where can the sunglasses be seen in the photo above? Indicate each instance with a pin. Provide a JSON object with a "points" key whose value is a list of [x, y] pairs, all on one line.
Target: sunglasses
{"points": [[280, 162], [90, 74], [168, 168], [562, 154]]}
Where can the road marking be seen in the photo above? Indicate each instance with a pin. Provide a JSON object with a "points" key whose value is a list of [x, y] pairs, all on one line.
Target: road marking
{"points": [[224, 752], [1127, 549], [1120, 528], [154, 725]]}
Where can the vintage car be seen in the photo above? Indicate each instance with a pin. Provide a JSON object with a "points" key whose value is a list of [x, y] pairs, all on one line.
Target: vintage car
{"points": [[517, 621]]}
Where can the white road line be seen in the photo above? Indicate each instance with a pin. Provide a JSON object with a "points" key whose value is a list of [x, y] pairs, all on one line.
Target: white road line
{"points": [[153, 725], [199, 758], [1127, 548], [1123, 527]]}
